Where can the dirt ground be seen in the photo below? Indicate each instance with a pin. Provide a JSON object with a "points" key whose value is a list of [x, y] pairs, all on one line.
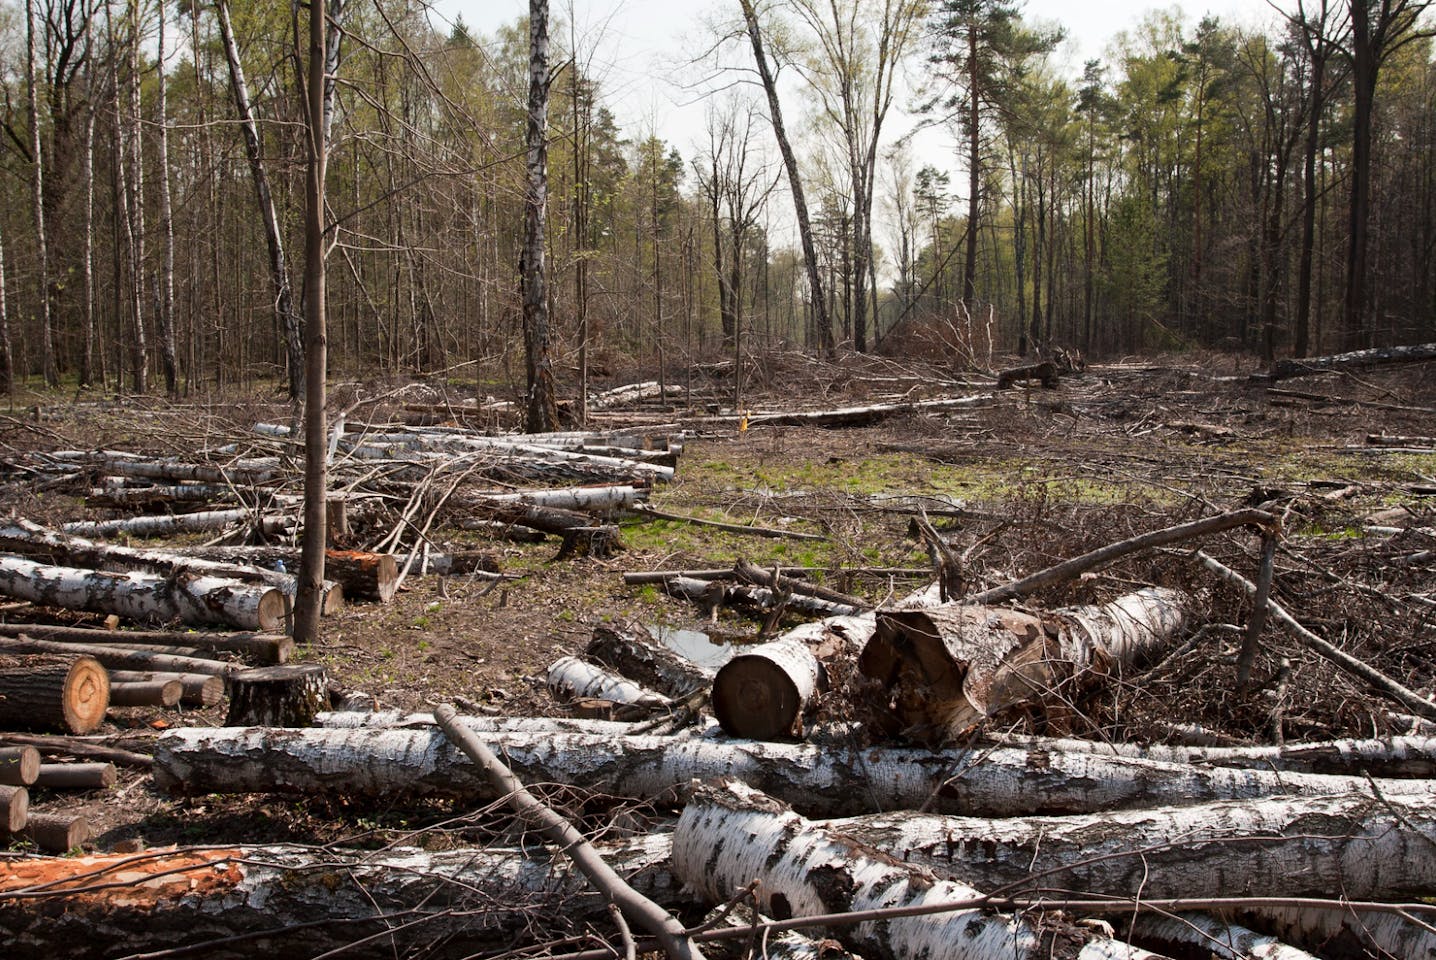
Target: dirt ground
{"points": [[1041, 475]]}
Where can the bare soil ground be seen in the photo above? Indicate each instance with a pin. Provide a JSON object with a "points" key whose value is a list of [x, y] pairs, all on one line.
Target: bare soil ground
{"points": [[1042, 474]]}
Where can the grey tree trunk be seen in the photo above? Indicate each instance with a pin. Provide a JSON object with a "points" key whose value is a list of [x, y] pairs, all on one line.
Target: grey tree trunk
{"points": [[309, 602], [168, 355], [7, 356], [135, 210], [541, 409]]}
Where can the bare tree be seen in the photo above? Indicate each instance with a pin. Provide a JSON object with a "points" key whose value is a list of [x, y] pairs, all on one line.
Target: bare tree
{"points": [[541, 409], [135, 209], [284, 311], [37, 190], [167, 227], [822, 319]]}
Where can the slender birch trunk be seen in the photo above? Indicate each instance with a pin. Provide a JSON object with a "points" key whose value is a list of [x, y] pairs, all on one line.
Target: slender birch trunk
{"points": [[37, 197], [7, 356], [168, 357], [541, 411], [87, 255], [135, 211]]}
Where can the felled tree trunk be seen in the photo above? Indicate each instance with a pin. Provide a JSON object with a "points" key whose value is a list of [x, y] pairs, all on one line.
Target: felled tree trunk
{"points": [[50, 692], [267, 649], [1356, 360], [823, 780], [939, 671], [145, 693], [730, 836], [240, 903], [1410, 756], [362, 575], [1368, 849], [754, 599], [632, 652], [764, 692], [1212, 937], [121, 658], [193, 599], [166, 524], [570, 678], [196, 689], [1346, 933]]}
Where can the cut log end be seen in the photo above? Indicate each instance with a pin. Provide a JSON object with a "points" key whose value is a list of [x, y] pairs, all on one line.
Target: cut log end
{"points": [[19, 766], [289, 696], [87, 695], [14, 808], [272, 610], [755, 698]]}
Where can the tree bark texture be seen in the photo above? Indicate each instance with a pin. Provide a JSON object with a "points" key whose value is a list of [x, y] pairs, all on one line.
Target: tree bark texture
{"points": [[941, 670], [1212, 937], [289, 696], [630, 650], [264, 649], [240, 903], [1368, 848], [729, 836], [120, 658], [198, 600], [541, 410], [570, 678], [824, 780], [51, 692], [163, 525]]}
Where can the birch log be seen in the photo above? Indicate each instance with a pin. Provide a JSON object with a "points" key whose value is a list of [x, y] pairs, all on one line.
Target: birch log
{"points": [[242, 903], [52, 692], [194, 600], [764, 692], [1408, 756], [827, 780], [1369, 849], [570, 678], [1345, 933], [163, 525], [939, 671], [1224, 941], [631, 651], [729, 836], [266, 649]]}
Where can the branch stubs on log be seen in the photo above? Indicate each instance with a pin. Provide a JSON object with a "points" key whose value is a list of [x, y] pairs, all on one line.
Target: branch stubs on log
{"points": [[47, 692]]}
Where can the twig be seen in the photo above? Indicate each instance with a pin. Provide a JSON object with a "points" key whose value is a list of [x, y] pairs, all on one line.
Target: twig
{"points": [[643, 911], [1265, 573], [1406, 697]]}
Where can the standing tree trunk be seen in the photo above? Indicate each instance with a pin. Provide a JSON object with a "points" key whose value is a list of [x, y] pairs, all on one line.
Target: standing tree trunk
{"points": [[821, 317], [167, 227], [541, 409], [309, 602], [87, 255], [37, 192], [285, 313], [135, 211], [7, 356]]}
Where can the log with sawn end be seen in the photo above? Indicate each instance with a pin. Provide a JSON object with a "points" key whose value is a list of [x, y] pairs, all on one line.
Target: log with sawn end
{"points": [[196, 689], [48, 691], [19, 766], [197, 600], [264, 649], [121, 658], [76, 776]]}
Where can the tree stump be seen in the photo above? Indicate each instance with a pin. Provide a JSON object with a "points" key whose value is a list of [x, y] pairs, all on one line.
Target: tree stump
{"points": [[57, 833], [53, 692], [288, 696], [19, 766], [14, 808], [363, 575], [600, 543]]}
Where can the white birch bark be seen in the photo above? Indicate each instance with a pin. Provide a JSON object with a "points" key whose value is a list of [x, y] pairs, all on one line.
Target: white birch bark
{"points": [[161, 900], [1404, 756], [166, 524], [1226, 941], [1347, 933], [944, 669], [195, 600], [729, 836], [827, 780], [1367, 848], [570, 678]]}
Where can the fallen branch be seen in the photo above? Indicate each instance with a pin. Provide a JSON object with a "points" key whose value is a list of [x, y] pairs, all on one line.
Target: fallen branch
{"points": [[643, 911], [1408, 698], [644, 510]]}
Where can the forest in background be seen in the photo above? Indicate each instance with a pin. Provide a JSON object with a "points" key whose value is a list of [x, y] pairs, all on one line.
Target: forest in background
{"points": [[1272, 192]]}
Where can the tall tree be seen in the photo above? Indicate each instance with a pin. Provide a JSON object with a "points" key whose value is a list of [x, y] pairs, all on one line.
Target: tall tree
{"points": [[7, 356], [166, 285], [309, 600], [978, 44], [286, 316], [1379, 28], [37, 193], [541, 408], [822, 318]]}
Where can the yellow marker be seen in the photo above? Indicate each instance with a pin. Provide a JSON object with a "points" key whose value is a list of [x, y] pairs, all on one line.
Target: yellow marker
{"points": [[743, 421]]}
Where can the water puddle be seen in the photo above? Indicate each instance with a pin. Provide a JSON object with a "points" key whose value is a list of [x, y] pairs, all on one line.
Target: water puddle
{"points": [[694, 645]]}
